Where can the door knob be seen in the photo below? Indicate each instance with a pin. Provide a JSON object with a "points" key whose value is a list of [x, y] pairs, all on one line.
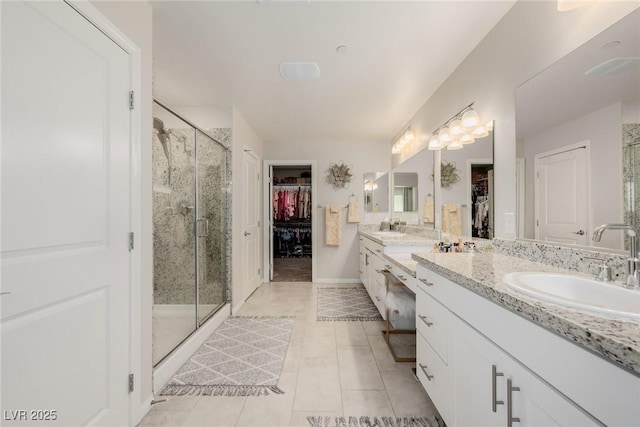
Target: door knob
{"points": [[579, 232], [246, 233]]}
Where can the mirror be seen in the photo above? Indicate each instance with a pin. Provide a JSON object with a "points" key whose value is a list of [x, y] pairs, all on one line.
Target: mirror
{"points": [[376, 192], [405, 192], [413, 197], [467, 188], [578, 141]]}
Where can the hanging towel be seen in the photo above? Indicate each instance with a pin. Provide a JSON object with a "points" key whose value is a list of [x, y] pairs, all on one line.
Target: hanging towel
{"points": [[452, 218], [333, 225], [428, 216], [353, 215]]}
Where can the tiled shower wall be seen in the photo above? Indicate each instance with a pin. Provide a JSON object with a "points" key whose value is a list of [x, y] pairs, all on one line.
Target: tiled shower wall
{"points": [[631, 164], [173, 232]]}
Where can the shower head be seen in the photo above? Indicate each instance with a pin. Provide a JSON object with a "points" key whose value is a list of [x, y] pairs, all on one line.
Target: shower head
{"points": [[158, 126]]}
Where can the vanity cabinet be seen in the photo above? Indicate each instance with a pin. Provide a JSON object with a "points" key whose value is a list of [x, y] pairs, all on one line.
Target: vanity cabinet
{"points": [[492, 389], [499, 367]]}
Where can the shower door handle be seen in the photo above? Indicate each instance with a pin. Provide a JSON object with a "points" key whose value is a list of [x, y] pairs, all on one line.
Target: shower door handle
{"points": [[203, 227]]}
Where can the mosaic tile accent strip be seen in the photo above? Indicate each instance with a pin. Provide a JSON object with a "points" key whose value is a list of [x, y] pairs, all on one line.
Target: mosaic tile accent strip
{"points": [[243, 357], [630, 175], [570, 258], [347, 304]]}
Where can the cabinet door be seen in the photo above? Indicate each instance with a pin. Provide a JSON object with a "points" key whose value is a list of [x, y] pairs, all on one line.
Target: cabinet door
{"points": [[362, 267], [491, 388], [479, 398], [535, 404]]}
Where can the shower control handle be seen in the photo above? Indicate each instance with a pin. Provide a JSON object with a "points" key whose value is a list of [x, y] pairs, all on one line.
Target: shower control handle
{"points": [[203, 227], [246, 233]]}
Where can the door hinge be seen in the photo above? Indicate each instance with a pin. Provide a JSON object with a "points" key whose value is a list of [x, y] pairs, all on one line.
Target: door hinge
{"points": [[131, 382], [537, 174], [131, 241], [537, 223], [131, 100], [258, 223], [258, 272]]}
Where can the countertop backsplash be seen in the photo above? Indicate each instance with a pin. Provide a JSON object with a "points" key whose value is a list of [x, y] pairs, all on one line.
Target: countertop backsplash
{"points": [[571, 258]]}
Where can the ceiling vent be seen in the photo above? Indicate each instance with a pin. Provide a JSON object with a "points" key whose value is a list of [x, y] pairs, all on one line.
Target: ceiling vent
{"points": [[299, 70], [613, 66]]}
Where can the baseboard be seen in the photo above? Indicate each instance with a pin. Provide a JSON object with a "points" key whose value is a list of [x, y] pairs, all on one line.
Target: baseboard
{"points": [[338, 281], [163, 373], [145, 407]]}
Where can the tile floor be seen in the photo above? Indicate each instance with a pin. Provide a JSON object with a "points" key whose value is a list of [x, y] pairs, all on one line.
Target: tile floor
{"points": [[331, 368]]}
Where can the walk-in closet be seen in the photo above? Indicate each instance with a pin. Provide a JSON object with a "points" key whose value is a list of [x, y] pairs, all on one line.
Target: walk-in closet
{"points": [[292, 209]]}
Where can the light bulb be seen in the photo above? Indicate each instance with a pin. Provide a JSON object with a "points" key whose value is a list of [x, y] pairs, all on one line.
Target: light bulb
{"points": [[470, 119], [455, 145], [409, 135], [480, 132], [455, 128], [434, 143], [467, 139], [443, 136]]}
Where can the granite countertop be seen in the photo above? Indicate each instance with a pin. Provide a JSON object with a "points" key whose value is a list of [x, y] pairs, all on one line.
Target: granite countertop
{"points": [[402, 240], [615, 340], [404, 261]]}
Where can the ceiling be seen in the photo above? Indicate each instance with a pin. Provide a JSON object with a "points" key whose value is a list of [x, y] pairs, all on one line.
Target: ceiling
{"points": [[563, 92], [222, 54]]}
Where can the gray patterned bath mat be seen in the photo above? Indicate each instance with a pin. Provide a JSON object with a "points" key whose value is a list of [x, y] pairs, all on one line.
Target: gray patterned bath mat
{"points": [[348, 304], [243, 357], [375, 422]]}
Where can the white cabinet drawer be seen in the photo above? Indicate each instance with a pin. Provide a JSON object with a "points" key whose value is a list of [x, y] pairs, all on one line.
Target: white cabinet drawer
{"points": [[374, 247], [432, 321], [433, 284], [435, 377]]}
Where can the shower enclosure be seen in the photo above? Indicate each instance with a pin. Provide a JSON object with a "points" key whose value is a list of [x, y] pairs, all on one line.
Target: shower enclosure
{"points": [[191, 223]]}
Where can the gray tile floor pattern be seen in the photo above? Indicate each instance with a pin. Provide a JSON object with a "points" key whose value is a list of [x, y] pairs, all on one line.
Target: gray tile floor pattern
{"points": [[331, 369]]}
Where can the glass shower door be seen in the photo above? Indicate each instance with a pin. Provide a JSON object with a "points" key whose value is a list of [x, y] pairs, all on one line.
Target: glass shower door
{"points": [[211, 225], [174, 245]]}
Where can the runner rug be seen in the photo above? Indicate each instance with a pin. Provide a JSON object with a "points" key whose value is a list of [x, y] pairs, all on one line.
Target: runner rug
{"points": [[347, 304], [375, 422], [243, 357]]}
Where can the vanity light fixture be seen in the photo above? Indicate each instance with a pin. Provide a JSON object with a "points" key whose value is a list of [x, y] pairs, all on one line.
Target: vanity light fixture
{"points": [[406, 137], [462, 128]]}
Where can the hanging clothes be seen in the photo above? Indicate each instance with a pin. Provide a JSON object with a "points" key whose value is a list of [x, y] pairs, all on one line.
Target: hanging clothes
{"points": [[291, 202]]}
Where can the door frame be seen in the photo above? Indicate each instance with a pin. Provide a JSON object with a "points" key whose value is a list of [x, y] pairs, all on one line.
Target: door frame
{"points": [[586, 144], [267, 212], [470, 162], [104, 25]]}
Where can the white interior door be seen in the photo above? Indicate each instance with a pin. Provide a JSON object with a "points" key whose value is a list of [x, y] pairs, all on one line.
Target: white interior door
{"points": [[65, 219], [252, 257], [562, 194]]}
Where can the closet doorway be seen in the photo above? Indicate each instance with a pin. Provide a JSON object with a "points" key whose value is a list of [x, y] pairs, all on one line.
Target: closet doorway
{"points": [[291, 218]]}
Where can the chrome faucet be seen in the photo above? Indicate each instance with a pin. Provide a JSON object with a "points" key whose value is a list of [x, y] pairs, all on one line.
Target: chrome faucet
{"points": [[633, 263]]}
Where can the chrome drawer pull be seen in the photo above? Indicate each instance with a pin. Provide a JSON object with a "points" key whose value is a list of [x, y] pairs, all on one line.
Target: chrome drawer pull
{"points": [[388, 266], [426, 282], [426, 322], [510, 418], [378, 250], [494, 399], [424, 369], [402, 278]]}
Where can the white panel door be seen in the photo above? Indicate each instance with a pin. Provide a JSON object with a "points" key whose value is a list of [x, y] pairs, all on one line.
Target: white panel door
{"points": [[562, 214], [252, 257], [65, 219]]}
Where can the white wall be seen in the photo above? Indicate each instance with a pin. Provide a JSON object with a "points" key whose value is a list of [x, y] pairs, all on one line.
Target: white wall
{"points": [[531, 36], [243, 137], [134, 19], [603, 128], [336, 263], [206, 117]]}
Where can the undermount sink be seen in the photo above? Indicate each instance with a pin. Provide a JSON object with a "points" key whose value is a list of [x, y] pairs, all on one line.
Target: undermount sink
{"points": [[577, 292], [388, 233]]}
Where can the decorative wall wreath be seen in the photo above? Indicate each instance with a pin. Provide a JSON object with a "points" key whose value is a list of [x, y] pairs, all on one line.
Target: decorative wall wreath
{"points": [[449, 174], [339, 175]]}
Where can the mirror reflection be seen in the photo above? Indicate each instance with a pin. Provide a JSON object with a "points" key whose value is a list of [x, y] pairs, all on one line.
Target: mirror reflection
{"points": [[466, 178], [376, 192], [416, 173], [578, 141], [405, 192]]}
